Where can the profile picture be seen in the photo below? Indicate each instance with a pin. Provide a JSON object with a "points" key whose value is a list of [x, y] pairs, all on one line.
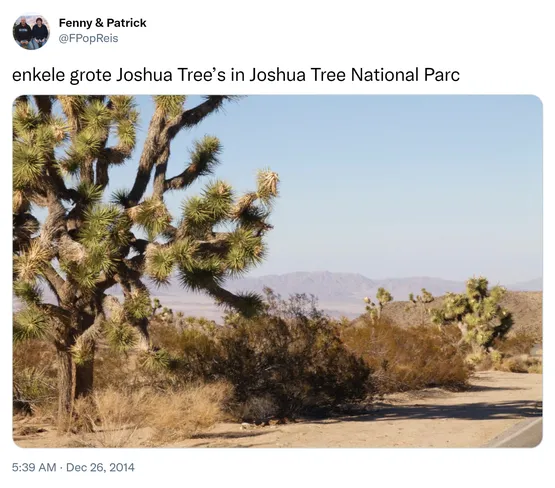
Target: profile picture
{"points": [[31, 31]]}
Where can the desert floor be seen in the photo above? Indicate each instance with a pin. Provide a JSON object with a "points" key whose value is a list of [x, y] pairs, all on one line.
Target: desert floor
{"points": [[429, 418]]}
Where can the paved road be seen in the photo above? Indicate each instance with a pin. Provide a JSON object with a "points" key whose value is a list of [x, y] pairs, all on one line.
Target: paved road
{"points": [[527, 433]]}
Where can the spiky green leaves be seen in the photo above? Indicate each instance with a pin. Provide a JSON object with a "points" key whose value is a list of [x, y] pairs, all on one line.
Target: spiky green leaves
{"points": [[27, 292], [184, 252], [30, 323], [383, 296], [26, 118], [82, 352], [92, 120], [170, 105], [248, 304], [159, 263], [155, 360], [87, 145], [124, 108], [119, 329], [29, 264], [125, 116], [89, 194], [28, 165], [246, 249], [196, 214], [218, 198], [95, 255], [426, 296], [96, 119], [137, 305], [152, 216], [497, 293], [477, 287], [35, 139], [204, 275], [204, 156], [253, 209], [374, 311], [160, 260], [121, 336], [105, 224], [127, 134], [201, 213]]}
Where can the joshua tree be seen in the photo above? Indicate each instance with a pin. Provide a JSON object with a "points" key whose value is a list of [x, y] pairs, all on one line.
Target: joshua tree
{"points": [[476, 313], [383, 297], [421, 301], [69, 236]]}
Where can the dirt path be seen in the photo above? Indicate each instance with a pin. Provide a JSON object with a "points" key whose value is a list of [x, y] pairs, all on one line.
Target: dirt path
{"points": [[432, 418]]}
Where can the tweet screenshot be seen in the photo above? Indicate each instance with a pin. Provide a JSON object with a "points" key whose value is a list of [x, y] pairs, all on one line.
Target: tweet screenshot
{"points": [[289, 243]]}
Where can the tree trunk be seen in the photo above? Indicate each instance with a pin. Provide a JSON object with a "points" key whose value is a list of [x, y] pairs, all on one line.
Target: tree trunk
{"points": [[84, 375], [464, 330], [84, 372], [65, 388], [144, 336], [73, 380]]}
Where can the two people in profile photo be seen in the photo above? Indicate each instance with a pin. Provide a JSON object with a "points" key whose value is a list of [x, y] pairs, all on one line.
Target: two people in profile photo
{"points": [[30, 36]]}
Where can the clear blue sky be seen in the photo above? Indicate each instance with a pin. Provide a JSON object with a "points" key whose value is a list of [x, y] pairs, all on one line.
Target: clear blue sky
{"points": [[385, 186]]}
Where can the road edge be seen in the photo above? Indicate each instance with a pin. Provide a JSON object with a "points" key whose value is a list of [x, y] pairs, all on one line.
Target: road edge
{"points": [[513, 432]]}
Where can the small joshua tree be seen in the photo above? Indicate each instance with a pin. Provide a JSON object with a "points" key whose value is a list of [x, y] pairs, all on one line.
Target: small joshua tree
{"points": [[477, 313], [421, 301], [383, 297]]}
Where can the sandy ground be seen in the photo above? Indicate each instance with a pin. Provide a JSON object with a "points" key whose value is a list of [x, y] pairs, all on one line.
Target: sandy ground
{"points": [[430, 418]]}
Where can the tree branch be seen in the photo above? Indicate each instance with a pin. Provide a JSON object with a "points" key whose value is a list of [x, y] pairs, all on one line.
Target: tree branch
{"points": [[44, 104], [159, 136], [195, 115]]}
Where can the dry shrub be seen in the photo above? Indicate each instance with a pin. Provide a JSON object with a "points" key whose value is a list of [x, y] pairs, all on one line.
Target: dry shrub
{"points": [[536, 368], [113, 415], [521, 364], [511, 354], [258, 409], [112, 368], [408, 358], [119, 418], [183, 414], [280, 363], [34, 388], [35, 354], [295, 363], [519, 342]]}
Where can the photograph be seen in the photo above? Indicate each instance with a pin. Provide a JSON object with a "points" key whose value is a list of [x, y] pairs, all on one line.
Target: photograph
{"points": [[31, 31], [276, 271]]}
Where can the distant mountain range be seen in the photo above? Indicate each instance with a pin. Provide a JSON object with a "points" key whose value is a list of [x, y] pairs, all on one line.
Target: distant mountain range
{"points": [[337, 293], [532, 285], [341, 287]]}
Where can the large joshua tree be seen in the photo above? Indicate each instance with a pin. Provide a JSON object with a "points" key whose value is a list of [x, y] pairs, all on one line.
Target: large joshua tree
{"points": [[477, 313], [71, 237]]}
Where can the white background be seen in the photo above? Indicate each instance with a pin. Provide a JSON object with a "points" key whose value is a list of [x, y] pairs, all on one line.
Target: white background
{"points": [[499, 47]]}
